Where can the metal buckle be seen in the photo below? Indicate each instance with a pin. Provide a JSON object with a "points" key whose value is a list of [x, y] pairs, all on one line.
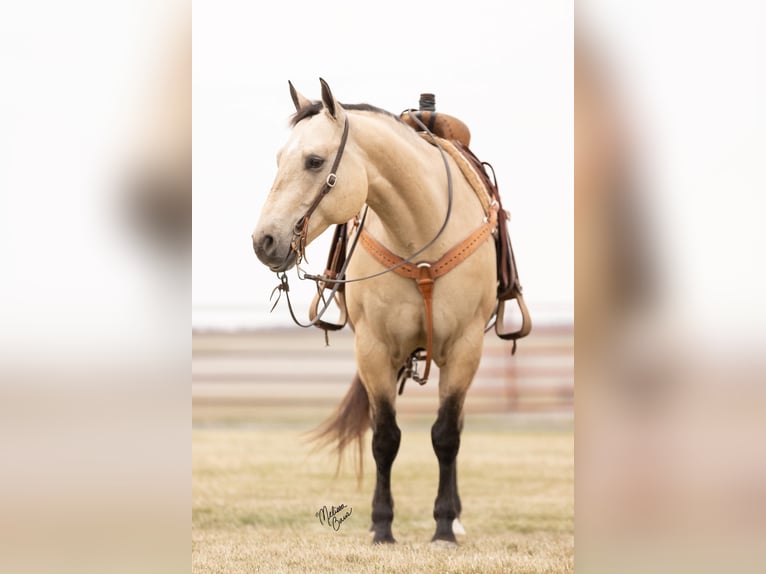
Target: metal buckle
{"points": [[331, 179], [424, 264]]}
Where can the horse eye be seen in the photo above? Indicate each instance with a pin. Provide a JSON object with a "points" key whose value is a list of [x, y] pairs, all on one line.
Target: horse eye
{"points": [[314, 162]]}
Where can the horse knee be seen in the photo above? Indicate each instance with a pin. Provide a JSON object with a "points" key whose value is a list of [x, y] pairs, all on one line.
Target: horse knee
{"points": [[445, 433], [446, 442], [386, 436]]}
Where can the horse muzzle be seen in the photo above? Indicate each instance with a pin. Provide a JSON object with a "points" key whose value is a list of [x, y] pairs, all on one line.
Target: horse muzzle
{"points": [[276, 255]]}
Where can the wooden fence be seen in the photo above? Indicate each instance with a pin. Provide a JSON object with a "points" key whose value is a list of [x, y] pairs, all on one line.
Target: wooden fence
{"points": [[286, 367]]}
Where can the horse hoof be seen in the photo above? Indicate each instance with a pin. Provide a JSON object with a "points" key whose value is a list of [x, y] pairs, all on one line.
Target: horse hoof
{"points": [[443, 544], [384, 540], [383, 537], [457, 527]]}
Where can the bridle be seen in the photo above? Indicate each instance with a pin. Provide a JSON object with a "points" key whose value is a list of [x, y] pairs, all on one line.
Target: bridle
{"points": [[301, 229]]}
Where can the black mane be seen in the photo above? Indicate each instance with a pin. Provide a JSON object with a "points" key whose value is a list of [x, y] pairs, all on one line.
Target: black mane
{"points": [[315, 107]]}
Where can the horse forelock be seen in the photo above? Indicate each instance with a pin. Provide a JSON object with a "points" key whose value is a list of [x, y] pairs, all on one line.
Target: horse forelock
{"points": [[315, 107]]}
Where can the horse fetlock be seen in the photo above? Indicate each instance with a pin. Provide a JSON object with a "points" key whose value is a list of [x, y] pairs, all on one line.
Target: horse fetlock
{"points": [[382, 514], [444, 511], [444, 533]]}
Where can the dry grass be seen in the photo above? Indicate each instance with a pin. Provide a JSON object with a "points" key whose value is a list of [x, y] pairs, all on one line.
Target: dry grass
{"points": [[255, 492]]}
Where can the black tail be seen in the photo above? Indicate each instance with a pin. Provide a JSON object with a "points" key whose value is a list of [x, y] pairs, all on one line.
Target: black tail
{"points": [[347, 424]]}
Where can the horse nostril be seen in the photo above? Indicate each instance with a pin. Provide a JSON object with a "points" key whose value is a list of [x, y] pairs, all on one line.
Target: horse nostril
{"points": [[267, 243], [264, 245]]}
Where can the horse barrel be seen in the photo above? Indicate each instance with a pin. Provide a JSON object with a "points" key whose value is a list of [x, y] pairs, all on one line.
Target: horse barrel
{"points": [[442, 125]]}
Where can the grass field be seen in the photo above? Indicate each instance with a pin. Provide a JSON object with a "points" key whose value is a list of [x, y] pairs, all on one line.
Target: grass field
{"points": [[257, 489]]}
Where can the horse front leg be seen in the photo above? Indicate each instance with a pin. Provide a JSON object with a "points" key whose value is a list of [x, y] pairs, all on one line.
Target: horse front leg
{"points": [[386, 437], [379, 380], [445, 437], [454, 379]]}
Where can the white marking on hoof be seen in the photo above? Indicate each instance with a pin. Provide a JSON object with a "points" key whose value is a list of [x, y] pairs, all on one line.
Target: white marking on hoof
{"points": [[457, 527], [443, 544]]}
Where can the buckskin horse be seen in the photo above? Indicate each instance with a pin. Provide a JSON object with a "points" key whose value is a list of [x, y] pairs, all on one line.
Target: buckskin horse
{"points": [[424, 286]]}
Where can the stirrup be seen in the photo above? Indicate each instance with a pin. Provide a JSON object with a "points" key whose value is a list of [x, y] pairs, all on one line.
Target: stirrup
{"points": [[410, 369], [339, 299], [526, 322]]}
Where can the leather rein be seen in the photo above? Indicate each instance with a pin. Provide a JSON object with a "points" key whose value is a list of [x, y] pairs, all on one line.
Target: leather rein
{"points": [[424, 272]]}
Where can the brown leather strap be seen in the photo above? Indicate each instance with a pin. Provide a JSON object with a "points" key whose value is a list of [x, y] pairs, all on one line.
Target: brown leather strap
{"points": [[446, 262], [425, 281], [301, 229], [425, 273]]}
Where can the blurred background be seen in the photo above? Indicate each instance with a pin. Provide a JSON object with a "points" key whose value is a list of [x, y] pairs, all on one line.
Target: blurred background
{"points": [[669, 127], [95, 220]]}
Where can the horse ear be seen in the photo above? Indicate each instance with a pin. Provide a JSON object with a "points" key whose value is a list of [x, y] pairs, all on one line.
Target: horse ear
{"points": [[299, 100], [328, 99]]}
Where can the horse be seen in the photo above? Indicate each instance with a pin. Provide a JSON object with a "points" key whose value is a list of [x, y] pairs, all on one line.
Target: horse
{"points": [[338, 159]]}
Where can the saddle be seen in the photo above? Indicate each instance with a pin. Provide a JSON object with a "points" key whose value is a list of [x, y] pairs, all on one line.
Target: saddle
{"points": [[508, 284], [455, 137], [442, 125]]}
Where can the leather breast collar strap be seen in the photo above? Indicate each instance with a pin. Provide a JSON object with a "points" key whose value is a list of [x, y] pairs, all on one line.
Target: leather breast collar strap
{"points": [[425, 273]]}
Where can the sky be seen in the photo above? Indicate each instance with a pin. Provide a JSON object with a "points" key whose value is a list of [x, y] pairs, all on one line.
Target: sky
{"points": [[507, 73]]}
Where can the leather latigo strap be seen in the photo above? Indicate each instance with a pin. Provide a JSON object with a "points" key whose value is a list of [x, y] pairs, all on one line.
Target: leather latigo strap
{"points": [[425, 273]]}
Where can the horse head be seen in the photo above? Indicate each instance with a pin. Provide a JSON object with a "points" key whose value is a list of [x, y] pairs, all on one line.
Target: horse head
{"points": [[308, 195]]}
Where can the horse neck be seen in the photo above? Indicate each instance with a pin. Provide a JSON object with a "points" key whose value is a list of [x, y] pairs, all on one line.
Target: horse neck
{"points": [[408, 190]]}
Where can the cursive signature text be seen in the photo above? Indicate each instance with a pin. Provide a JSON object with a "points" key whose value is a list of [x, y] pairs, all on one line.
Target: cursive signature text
{"points": [[333, 516]]}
